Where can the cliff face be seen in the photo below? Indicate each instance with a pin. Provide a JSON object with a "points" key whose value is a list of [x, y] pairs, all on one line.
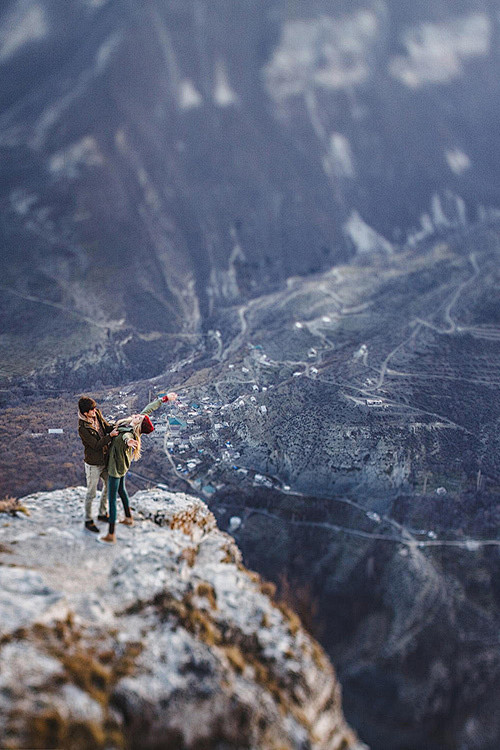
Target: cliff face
{"points": [[164, 640]]}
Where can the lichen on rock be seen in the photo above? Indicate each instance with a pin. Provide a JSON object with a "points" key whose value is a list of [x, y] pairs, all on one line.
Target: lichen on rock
{"points": [[165, 640]]}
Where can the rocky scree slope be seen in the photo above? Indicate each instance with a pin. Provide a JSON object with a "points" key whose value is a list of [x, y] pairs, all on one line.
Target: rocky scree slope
{"points": [[164, 640]]}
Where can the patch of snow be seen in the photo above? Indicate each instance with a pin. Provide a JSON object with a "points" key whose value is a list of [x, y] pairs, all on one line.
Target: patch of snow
{"points": [[365, 239], [224, 95], [189, 97], [234, 523], [438, 215], [457, 160], [326, 52], [341, 160], [427, 229], [26, 23], [461, 211], [436, 52], [448, 210], [227, 280], [21, 201], [106, 50], [82, 153]]}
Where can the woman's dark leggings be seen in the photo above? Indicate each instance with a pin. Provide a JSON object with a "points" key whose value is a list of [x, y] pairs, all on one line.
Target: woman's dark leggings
{"points": [[117, 484]]}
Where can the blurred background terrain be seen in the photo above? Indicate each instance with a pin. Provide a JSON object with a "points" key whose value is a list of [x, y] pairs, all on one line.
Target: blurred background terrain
{"points": [[296, 203]]}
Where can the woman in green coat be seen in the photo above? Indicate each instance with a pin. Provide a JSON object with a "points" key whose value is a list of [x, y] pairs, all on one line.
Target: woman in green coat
{"points": [[125, 448]]}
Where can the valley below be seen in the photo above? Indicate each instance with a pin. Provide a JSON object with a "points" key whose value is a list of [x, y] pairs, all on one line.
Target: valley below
{"points": [[344, 431]]}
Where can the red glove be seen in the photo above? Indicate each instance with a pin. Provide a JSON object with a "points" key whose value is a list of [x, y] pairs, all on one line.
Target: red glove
{"points": [[164, 398]]}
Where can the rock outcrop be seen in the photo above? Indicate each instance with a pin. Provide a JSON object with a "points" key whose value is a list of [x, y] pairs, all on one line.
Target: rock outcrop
{"points": [[164, 640]]}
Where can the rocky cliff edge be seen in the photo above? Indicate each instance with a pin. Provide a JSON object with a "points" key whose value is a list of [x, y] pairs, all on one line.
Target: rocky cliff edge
{"points": [[163, 641]]}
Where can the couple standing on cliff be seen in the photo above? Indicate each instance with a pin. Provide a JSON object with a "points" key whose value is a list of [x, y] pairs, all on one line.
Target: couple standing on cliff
{"points": [[109, 451]]}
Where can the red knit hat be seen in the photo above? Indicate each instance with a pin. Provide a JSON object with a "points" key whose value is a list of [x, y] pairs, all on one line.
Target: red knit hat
{"points": [[146, 426]]}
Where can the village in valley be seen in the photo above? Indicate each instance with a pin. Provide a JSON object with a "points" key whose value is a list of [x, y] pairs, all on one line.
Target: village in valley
{"points": [[337, 430]]}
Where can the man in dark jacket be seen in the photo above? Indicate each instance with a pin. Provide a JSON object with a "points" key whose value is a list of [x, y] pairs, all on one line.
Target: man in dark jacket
{"points": [[96, 435]]}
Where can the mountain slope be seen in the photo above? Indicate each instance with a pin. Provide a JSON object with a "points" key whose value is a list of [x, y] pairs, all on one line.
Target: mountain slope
{"points": [[160, 164]]}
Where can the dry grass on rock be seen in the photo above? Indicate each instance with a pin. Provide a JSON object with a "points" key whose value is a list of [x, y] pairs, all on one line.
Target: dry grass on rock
{"points": [[12, 506]]}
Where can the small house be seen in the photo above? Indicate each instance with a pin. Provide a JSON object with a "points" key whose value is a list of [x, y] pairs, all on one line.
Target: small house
{"points": [[176, 424]]}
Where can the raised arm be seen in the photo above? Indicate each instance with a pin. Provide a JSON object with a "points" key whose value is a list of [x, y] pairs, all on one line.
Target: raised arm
{"points": [[153, 405]]}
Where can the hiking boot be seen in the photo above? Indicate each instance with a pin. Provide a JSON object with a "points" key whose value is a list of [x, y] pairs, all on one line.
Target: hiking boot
{"points": [[90, 526], [108, 539], [103, 517]]}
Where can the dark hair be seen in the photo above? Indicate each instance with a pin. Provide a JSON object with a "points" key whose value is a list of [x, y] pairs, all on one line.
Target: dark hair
{"points": [[85, 404]]}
